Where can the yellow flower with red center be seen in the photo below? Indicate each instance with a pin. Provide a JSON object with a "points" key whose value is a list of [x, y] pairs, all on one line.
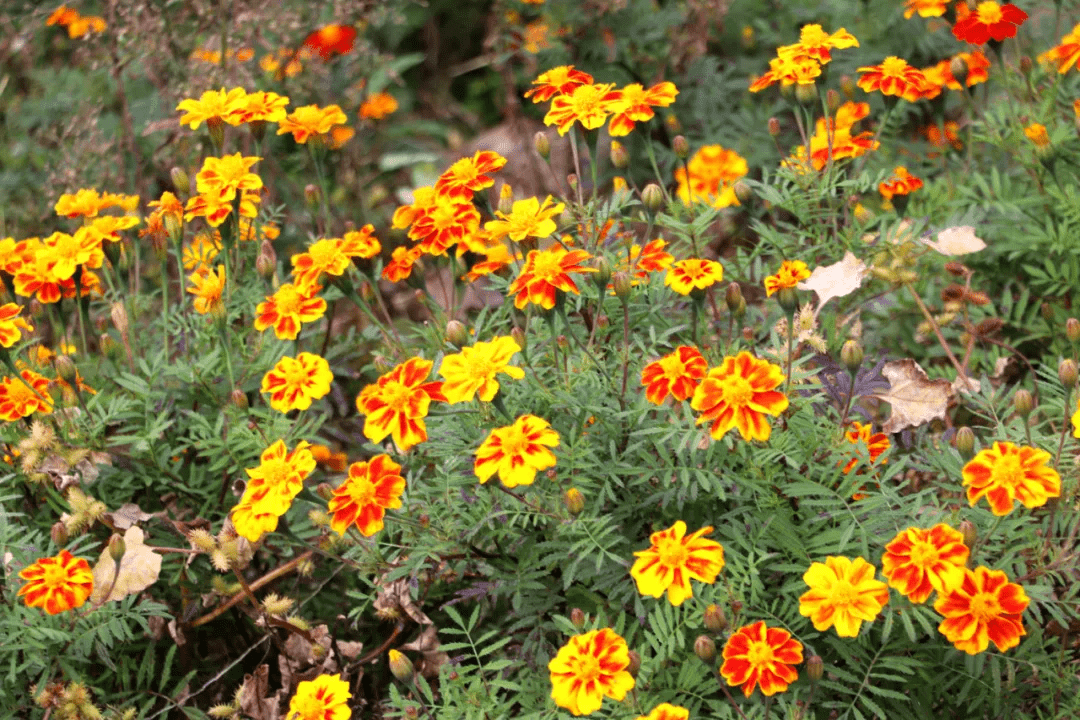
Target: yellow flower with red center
{"points": [[324, 698], [760, 656], [545, 273], [925, 8], [207, 287], [918, 562], [667, 711], [635, 104], [740, 393], [1037, 134], [469, 175], [901, 183], [984, 607], [589, 105], [815, 43], [989, 21], [692, 274], [397, 403], [271, 488], [401, 263], [876, 444], [712, 172], [527, 218], [311, 120], [843, 593], [893, 77], [287, 309], [371, 489], [225, 176], [214, 106], [517, 452], [676, 374], [378, 106], [474, 369], [588, 668], [11, 325], [23, 397], [790, 274], [1005, 473], [561, 80], [293, 383], [1065, 54], [57, 584], [674, 559]]}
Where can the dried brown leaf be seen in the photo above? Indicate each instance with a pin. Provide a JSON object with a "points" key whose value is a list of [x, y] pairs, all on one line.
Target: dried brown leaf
{"points": [[126, 516], [139, 569], [428, 646], [255, 699], [394, 599], [914, 398]]}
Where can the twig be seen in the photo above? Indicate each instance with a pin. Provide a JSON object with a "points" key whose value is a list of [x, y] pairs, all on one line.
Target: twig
{"points": [[265, 579], [940, 337]]}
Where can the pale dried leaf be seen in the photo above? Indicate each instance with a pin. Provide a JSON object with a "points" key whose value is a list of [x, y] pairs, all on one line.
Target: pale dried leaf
{"points": [[914, 398], [394, 599], [350, 650], [836, 280], [255, 699], [127, 515], [958, 240], [965, 384], [428, 646], [139, 569]]}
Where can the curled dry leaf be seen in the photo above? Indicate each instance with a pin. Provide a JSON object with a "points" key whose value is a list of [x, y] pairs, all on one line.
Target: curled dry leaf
{"points": [[394, 600], [432, 658], [915, 399], [836, 280], [255, 699], [139, 569], [958, 240], [126, 516]]}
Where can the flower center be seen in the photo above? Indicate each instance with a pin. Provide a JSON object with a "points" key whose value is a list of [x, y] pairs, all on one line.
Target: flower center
{"points": [[362, 491], [515, 442], [844, 594], [323, 253], [672, 367], [588, 669], [482, 368], [296, 375], [54, 576], [893, 67], [442, 216], [275, 471], [984, 607], [546, 266], [989, 13], [586, 100], [288, 301], [309, 707], [396, 395], [759, 653], [737, 391], [923, 554], [672, 553], [1006, 471]]}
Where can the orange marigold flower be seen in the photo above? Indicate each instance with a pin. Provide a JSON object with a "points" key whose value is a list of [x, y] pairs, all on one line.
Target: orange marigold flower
{"points": [[815, 43], [1066, 54], [64, 253], [83, 24], [635, 104], [527, 218], [713, 171], [444, 223], [900, 183], [517, 452], [978, 66], [227, 175], [546, 272], [791, 66], [62, 16], [1005, 472], [984, 607], [893, 77], [756, 655], [57, 584], [790, 274], [23, 397], [325, 256], [561, 80], [83, 203], [294, 382], [287, 309], [311, 120], [378, 106], [588, 668], [401, 263], [328, 459], [331, 40], [271, 488], [371, 489], [589, 105], [740, 393], [469, 175], [925, 8], [262, 106], [676, 374], [324, 698], [34, 276], [361, 243], [692, 274], [876, 444], [674, 559], [833, 140], [989, 21], [214, 106], [917, 561], [942, 136], [651, 258], [207, 288], [843, 593], [667, 711], [11, 325], [397, 403], [473, 370], [1037, 134]]}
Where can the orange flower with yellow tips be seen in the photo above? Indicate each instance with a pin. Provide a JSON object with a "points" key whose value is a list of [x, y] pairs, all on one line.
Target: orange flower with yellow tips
{"points": [[635, 104], [791, 66], [1065, 54], [760, 656], [517, 452], [330, 40], [23, 396], [740, 394], [397, 403], [57, 584], [589, 105], [545, 273], [790, 274], [401, 263], [561, 80], [917, 562], [674, 559], [287, 309], [1006, 473], [925, 8], [985, 607], [372, 488], [378, 106]]}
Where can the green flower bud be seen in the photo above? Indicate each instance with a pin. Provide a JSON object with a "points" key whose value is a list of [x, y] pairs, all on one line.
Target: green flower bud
{"points": [[705, 648], [851, 354], [401, 666], [1023, 402], [652, 197], [965, 442], [574, 501], [714, 618]]}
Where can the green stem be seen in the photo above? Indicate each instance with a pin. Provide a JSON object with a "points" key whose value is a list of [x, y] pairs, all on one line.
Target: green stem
{"points": [[791, 352], [80, 309]]}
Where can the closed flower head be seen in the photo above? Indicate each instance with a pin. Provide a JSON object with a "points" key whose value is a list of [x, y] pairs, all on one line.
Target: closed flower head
{"points": [[984, 607], [740, 393], [1005, 473], [674, 559], [843, 593], [588, 668], [517, 452], [760, 656]]}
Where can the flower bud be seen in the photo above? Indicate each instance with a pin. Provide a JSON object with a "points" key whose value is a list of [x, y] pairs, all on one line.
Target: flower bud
{"points": [[312, 196], [325, 491], [774, 127], [239, 398], [714, 618], [847, 86], [65, 368], [180, 180], [740, 309], [1067, 372], [788, 299], [705, 648], [815, 668], [806, 93], [621, 281], [119, 317], [456, 334], [109, 346], [652, 197], [681, 147], [747, 38], [577, 618], [832, 100], [572, 181], [851, 354], [506, 199], [424, 520], [969, 532], [400, 665], [603, 272], [958, 68], [620, 156], [117, 548], [743, 192], [1046, 311], [635, 663], [519, 337], [1072, 330], [965, 442], [562, 342], [59, 534], [1023, 402], [1025, 64], [673, 123], [542, 144], [733, 296], [216, 127], [265, 265], [574, 501]]}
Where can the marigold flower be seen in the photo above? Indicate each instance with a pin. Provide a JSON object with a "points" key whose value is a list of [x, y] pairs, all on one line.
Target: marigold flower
{"points": [[1066, 54], [1036, 133], [332, 256], [309, 120], [672, 561], [378, 106], [442, 223], [207, 289], [984, 607], [527, 218], [756, 655], [474, 369], [324, 698], [361, 243], [62, 16], [83, 203], [815, 43], [517, 452], [262, 106], [893, 77], [843, 593], [713, 171], [1005, 472], [227, 175], [397, 403], [790, 274], [900, 183], [691, 274], [330, 40], [561, 80], [22, 398], [84, 24], [925, 8], [328, 459], [833, 140], [635, 104], [589, 105], [469, 175], [294, 382], [790, 66], [989, 21], [271, 488], [401, 263], [287, 309], [650, 258], [667, 711], [12, 326], [362, 500], [978, 66], [876, 444], [213, 106], [740, 393], [588, 668], [676, 374], [57, 584], [917, 561], [544, 273]]}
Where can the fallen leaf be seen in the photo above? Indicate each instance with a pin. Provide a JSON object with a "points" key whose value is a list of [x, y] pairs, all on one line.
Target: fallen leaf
{"points": [[965, 384], [428, 646], [394, 598], [254, 696], [836, 280], [915, 399], [139, 569], [959, 240], [127, 515]]}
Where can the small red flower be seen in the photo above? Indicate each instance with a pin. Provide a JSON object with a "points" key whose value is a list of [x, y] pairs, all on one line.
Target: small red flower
{"points": [[989, 21], [330, 40], [676, 374]]}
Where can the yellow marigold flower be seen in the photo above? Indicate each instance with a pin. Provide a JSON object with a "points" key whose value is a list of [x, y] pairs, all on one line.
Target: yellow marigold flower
{"points": [[361, 243], [371, 489], [168, 204], [1005, 473], [917, 562], [673, 561], [589, 105], [401, 263], [295, 382], [561, 80], [324, 698], [815, 43], [271, 488], [214, 106], [397, 403], [64, 253], [546, 272], [287, 309], [325, 256], [843, 593], [378, 106], [791, 66], [691, 274], [1066, 54], [469, 175], [635, 104], [310, 120], [262, 106], [517, 452], [88, 203], [227, 175], [57, 584], [667, 711], [207, 288], [85, 24], [1036, 133], [473, 370], [740, 393], [790, 274], [215, 208], [200, 251], [12, 326], [713, 171], [925, 8], [23, 397], [527, 218], [588, 668]]}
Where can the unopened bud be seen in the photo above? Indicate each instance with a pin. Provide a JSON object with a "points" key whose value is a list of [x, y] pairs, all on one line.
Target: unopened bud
{"points": [[847, 86], [506, 199], [239, 398], [733, 296], [1072, 330], [572, 181], [519, 337], [958, 68], [965, 442], [652, 197], [673, 124], [312, 196], [325, 491], [367, 293], [1025, 64], [743, 192], [806, 93], [620, 156], [109, 346], [969, 532], [59, 534], [577, 618], [621, 283], [65, 368], [119, 317], [681, 147], [705, 648], [265, 266], [635, 663], [815, 668], [957, 269], [456, 334], [542, 144], [216, 127], [740, 309], [788, 299], [1067, 372], [747, 37], [117, 548], [603, 272], [574, 501], [180, 180], [832, 100], [774, 127], [1023, 402], [851, 354], [401, 666], [424, 520], [714, 618], [562, 342]]}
